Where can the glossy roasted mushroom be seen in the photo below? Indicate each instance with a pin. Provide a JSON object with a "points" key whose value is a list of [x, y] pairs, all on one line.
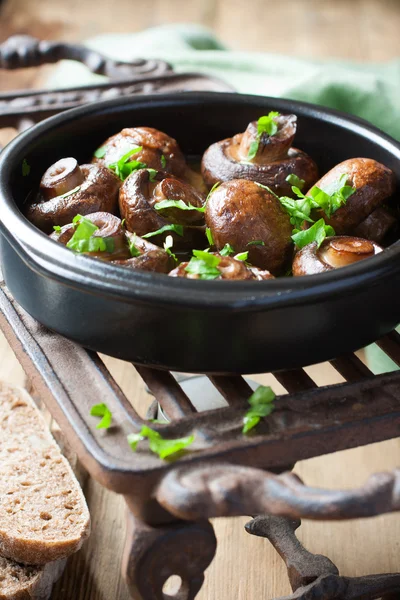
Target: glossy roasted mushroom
{"points": [[374, 184], [149, 257], [249, 218], [141, 195], [109, 228], [334, 252], [228, 267], [159, 150], [67, 189], [273, 158]]}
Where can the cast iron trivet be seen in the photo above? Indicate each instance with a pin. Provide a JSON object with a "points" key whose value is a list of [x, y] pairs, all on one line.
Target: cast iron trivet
{"points": [[227, 474]]}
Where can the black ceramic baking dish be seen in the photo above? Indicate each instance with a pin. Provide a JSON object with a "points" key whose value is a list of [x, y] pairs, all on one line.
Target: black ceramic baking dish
{"points": [[189, 325]]}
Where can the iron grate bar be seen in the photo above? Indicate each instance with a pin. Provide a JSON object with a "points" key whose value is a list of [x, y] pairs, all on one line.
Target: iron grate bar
{"points": [[295, 380], [351, 368], [233, 388], [390, 344], [167, 391]]}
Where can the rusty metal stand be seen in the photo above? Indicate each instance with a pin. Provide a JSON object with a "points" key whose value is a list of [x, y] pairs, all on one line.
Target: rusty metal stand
{"points": [[225, 473]]}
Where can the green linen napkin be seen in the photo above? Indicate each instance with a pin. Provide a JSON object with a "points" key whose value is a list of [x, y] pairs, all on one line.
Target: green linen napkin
{"points": [[371, 91]]}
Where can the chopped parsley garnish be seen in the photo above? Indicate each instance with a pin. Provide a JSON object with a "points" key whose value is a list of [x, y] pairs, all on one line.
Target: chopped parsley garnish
{"points": [[124, 167], [178, 204], [83, 239], [204, 265], [57, 228], [173, 227], [294, 180], [152, 175], [101, 152], [157, 444], [102, 410], [256, 243], [262, 405], [169, 242], [73, 191], [214, 187], [227, 250], [209, 236], [26, 168], [163, 161], [316, 233], [265, 124], [133, 249], [242, 256]]}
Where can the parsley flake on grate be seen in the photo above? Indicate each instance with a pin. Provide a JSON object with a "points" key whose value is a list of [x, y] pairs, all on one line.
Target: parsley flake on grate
{"points": [[262, 405], [102, 410], [157, 444]]}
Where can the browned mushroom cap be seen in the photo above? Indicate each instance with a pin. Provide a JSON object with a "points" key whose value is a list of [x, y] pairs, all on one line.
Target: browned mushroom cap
{"points": [[229, 268], [373, 182], [376, 225], [274, 160], [109, 227], [155, 145], [97, 192], [249, 218], [334, 252], [137, 200], [151, 257]]}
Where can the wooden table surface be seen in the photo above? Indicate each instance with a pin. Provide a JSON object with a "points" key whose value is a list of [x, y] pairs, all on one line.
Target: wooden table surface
{"points": [[245, 568]]}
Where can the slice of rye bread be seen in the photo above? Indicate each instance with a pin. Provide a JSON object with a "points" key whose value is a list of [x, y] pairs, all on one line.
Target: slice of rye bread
{"points": [[24, 582], [43, 513]]}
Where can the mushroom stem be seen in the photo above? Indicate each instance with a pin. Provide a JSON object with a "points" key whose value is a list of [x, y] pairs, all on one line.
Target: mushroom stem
{"points": [[269, 147], [61, 178]]}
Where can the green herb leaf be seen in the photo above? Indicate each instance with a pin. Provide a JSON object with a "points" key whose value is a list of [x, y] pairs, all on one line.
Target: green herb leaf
{"points": [[227, 250], [26, 168], [299, 210], [152, 175], [83, 240], [214, 187], [163, 204], [124, 167], [169, 242], [316, 233], [101, 152], [242, 256], [262, 405], [204, 265], [76, 189], [157, 444], [265, 124], [294, 180], [133, 249], [102, 410], [173, 227], [163, 161], [57, 228], [209, 236], [256, 243]]}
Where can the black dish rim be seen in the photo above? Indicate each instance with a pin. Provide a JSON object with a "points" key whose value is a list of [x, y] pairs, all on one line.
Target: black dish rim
{"points": [[53, 260]]}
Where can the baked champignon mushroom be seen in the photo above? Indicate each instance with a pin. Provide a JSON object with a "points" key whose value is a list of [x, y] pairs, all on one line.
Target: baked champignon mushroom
{"points": [[374, 184], [109, 227], [149, 257], [159, 150], [67, 189], [228, 267], [249, 218], [273, 161], [376, 225], [141, 194], [334, 252]]}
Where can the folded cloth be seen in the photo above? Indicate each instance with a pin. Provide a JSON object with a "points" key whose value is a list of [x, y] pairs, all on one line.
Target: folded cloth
{"points": [[371, 91]]}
